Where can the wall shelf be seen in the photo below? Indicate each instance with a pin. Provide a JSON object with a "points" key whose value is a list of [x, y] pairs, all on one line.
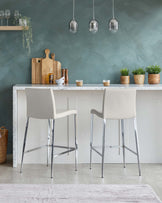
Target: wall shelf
{"points": [[13, 28]]}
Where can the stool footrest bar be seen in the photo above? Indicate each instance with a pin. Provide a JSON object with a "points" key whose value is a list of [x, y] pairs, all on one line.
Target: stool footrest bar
{"points": [[97, 151], [109, 146], [72, 149], [63, 147], [130, 150], [55, 146], [115, 146], [31, 150]]}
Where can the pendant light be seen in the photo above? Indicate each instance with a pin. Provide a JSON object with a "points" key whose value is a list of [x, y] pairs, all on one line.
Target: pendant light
{"points": [[73, 25], [113, 23], [93, 25]]}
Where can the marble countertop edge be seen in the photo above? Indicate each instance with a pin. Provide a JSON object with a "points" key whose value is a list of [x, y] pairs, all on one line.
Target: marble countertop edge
{"points": [[87, 86]]}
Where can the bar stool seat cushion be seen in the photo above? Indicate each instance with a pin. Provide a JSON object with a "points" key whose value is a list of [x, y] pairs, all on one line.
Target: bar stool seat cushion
{"points": [[97, 113], [65, 113]]}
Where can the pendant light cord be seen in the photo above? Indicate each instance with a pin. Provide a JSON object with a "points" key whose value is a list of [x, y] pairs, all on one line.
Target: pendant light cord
{"points": [[113, 12], [93, 11], [73, 9]]}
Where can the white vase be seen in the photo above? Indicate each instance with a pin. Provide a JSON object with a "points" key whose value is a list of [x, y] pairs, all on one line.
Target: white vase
{"points": [[22, 22]]}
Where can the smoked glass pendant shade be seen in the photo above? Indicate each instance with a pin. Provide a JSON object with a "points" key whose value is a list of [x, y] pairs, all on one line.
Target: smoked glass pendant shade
{"points": [[113, 23], [73, 25], [93, 25]]}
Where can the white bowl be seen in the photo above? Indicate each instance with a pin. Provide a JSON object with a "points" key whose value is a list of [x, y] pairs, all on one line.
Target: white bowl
{"points": [[60, 81]]}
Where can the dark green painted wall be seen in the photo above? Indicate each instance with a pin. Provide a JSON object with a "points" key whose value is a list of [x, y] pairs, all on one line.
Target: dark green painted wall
{"points": [[88, 57]]}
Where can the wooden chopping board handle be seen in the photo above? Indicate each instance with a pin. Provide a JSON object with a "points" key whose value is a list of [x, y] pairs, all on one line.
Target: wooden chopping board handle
{"points": [[53, 56], [47, 52]]}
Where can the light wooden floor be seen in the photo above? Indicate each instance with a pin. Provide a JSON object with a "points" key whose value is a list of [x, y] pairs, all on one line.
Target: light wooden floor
{"points": [[65, 174]]}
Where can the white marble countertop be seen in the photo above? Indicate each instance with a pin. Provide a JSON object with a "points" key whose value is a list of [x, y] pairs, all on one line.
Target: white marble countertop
{"points": [[88, 87]]}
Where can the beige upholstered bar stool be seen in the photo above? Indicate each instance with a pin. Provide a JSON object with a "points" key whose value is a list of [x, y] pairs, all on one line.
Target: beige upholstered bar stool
{"points": [[41, 105], [118, 104]]}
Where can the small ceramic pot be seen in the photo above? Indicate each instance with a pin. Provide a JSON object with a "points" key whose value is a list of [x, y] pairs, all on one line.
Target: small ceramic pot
{"points": [[124, 80], [79, 83], [106, 82], [60, 81], [139, 79], [153, 78]]}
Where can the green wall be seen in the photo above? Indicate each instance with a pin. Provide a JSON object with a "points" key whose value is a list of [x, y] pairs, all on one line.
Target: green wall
{"points": [[88, 57]]}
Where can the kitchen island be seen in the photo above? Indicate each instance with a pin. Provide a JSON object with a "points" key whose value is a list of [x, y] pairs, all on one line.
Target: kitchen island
{"points": [[149, 120]]}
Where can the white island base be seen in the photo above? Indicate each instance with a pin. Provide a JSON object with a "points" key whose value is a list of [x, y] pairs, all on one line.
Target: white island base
{"points": [[149, 120]]}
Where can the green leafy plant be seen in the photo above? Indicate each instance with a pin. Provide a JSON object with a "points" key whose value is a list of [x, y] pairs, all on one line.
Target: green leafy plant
{"points": [[154, 69], [27, 38], [139, 71], [124, 72]]}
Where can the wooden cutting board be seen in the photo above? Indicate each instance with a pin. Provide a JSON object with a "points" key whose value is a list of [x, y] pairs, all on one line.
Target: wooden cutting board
{"points": [[36, 71], [46, 67], [41, 67], [56, 67]]}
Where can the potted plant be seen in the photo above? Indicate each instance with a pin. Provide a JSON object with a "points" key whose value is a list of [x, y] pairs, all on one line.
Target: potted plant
{"points": [[153, 74], [124, 78], [27, 32], [139, 76]]}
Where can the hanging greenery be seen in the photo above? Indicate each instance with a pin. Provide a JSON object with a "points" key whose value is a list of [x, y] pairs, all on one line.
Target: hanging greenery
{"points": [[27, 38]]}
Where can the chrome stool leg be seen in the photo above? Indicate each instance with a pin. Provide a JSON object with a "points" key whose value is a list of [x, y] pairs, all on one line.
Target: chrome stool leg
{"points": [[91, 140], [24, 144], [68, 138], [76, 143], [123, 141], [53, 129], [103, 147], [137, 145], [48, 141]]}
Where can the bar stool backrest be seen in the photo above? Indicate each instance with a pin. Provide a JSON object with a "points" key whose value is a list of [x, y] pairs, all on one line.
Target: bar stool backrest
{"points": [[40, 103], [119, 103]]}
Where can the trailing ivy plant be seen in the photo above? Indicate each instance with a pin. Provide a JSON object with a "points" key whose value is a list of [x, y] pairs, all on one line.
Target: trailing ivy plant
{"points": [[124, 72], [139, 71], [27, 37], [154, 69]]}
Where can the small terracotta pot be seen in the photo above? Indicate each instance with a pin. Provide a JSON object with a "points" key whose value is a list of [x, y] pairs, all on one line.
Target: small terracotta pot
{"points": [[153, 78], [124, 80], [139, 79]]}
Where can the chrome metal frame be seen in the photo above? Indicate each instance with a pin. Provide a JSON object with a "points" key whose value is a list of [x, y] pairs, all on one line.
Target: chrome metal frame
{"points": [[68, 137], [93, 148], [76, 143], [123, 141], [48, 140], [23, 150], [91, 141], [119, 134], [52, 145], [103, 147], [53, 128], [137, 146]]}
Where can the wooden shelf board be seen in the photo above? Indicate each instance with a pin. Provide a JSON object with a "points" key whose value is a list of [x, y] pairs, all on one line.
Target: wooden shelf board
{"points": [[13, 28]]}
